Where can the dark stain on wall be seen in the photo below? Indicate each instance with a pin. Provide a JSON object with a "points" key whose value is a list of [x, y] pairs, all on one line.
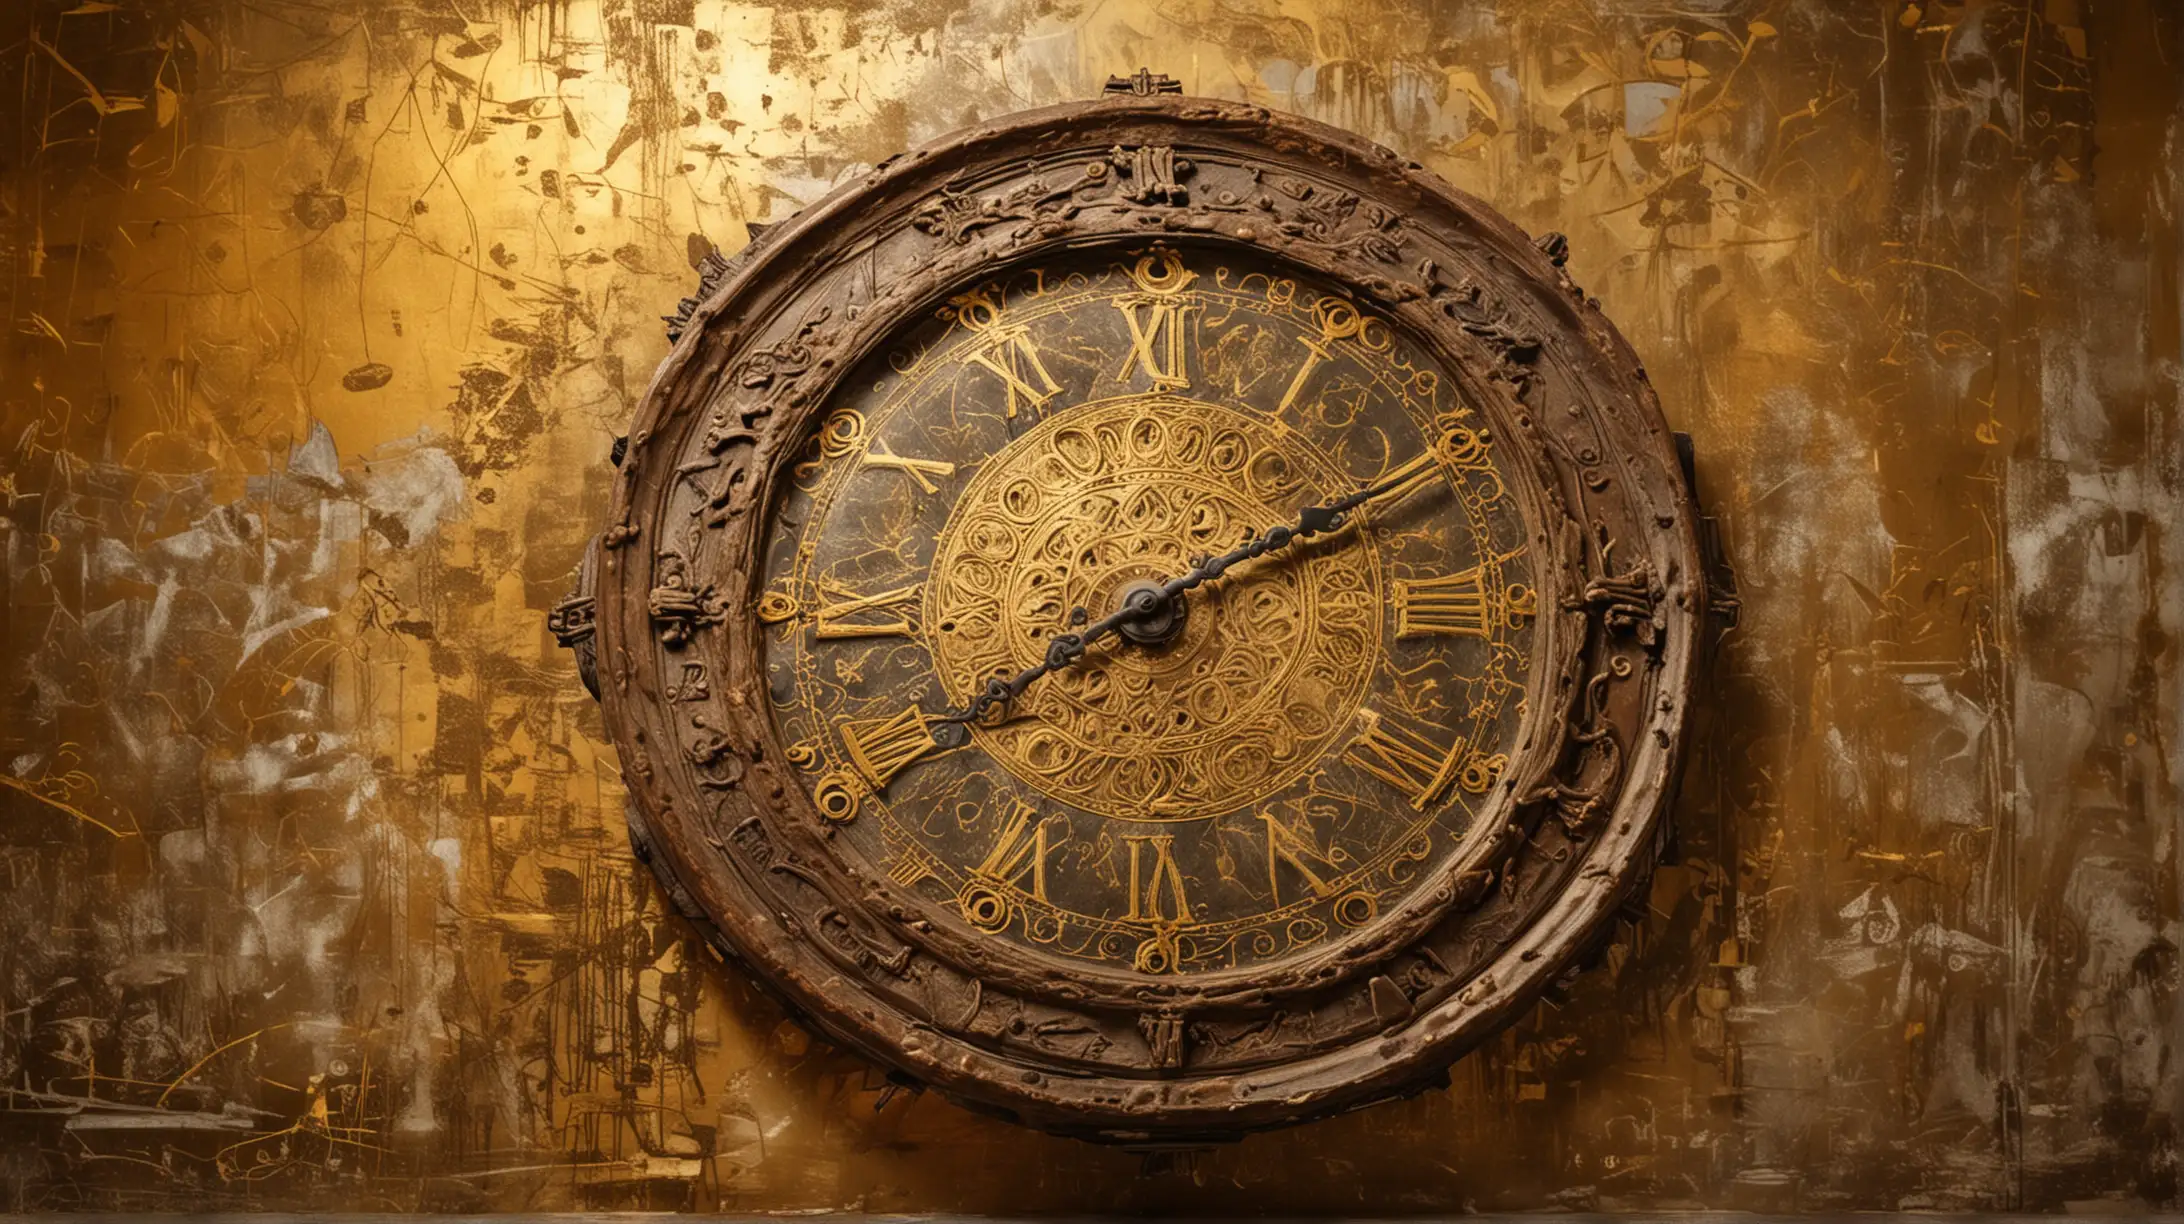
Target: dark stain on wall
{"points": [[321, 315]]}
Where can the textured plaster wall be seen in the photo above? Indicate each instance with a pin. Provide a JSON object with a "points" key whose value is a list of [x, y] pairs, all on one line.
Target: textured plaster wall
{"points": [[320, 315]]}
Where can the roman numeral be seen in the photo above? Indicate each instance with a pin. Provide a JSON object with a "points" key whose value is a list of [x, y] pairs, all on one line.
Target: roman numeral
{"points": [[1287, 845], [1464, 448], [908, 867], [1406, 479], [1156, 891], [1415, 766], [1008, 356], [1460, 605], [1338, 320], [1020, 850], [1156, 342], [1314, 353], [918, 469], [1454, 605], [832, 619], [880, 748]]}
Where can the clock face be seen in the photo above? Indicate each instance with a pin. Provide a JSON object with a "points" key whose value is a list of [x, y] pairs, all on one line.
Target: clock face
{"points": [[1300, 751]]}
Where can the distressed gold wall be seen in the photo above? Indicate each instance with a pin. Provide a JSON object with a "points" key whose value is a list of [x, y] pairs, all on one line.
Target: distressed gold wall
{"points": [[321, 315]]}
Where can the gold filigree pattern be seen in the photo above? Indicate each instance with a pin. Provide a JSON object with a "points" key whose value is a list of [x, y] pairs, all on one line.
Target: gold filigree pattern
{"points": [[1268, 666]]}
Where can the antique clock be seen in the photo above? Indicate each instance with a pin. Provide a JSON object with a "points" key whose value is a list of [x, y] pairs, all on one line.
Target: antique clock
{"points": [[1154, 617]]}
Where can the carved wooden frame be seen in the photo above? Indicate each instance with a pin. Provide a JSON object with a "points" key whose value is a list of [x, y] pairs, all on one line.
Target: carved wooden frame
{"points": [[1574, 821]]}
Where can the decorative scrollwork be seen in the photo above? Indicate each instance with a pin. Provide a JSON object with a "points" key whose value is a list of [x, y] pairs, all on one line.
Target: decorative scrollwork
{"points": [[836, 796], [1628, 603], [677, 604], [694, 685], [1357, 909], [1597, 768], [984, 906], [1339, 219], [957, 217], [713, 755], [1154, 172], [786, 359], [1162, 272], [1483, 315], [1481, 771]]}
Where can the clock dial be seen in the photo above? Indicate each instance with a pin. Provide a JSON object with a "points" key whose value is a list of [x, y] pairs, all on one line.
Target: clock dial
{"points": [[1290, 751]]}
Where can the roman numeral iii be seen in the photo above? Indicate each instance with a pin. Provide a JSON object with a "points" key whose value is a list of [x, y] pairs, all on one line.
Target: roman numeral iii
{"points": [[1460, 604]]}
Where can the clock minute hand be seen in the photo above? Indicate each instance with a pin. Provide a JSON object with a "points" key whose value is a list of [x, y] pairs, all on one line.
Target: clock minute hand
{"points": [[1146, 603], [1323, 519]]}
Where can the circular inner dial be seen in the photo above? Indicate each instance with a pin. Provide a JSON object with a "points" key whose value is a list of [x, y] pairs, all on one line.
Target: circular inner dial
{"points": [[1280, 755], [1223, 708]]}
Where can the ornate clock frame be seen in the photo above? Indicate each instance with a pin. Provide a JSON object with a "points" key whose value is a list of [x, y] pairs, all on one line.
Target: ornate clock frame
{"points": [[665, 621]]}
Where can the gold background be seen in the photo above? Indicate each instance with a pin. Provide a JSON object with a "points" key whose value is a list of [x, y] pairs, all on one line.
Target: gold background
{"points": [[322, 313]]}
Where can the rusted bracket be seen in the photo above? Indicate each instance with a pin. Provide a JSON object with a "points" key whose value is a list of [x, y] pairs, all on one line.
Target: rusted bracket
{"points": [[574, 624], [1722, 601]]}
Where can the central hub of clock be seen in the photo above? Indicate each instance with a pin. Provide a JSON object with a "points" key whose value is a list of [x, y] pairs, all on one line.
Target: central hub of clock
{"points": [[1160, 618]]}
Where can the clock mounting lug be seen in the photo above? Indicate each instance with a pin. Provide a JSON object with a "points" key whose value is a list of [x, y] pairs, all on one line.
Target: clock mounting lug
{"points": [[573, 621], [1144, 83], [1723, 606]]}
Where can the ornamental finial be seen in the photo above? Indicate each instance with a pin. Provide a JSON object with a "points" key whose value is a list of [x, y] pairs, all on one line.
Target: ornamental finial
{"points": [[1143, 83]]}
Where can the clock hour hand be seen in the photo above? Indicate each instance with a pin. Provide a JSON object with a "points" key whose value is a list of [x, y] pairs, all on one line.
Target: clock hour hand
{"points": [[1062, 651], [1146, 603]]}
